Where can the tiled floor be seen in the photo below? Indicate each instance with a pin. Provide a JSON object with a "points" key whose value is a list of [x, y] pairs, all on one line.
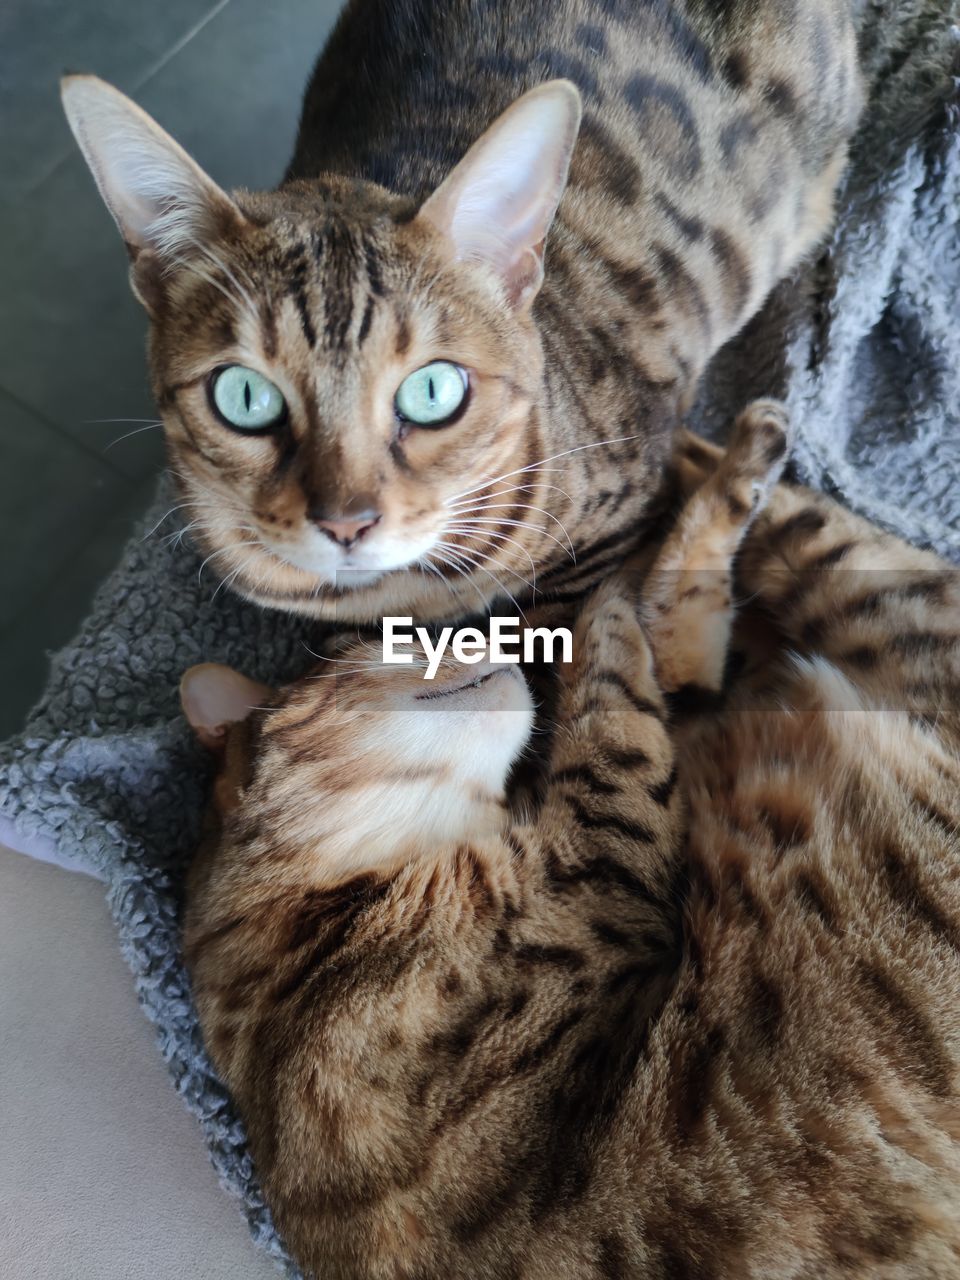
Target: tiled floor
{"points": [[225, 78]]}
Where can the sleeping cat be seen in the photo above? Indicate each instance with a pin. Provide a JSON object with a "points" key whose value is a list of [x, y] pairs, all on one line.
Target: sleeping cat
{"points": [[700, 1017], [379, 395]]}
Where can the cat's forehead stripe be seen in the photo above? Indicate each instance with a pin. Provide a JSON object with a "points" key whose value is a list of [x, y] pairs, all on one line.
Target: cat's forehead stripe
{"points": [[336, 282]]}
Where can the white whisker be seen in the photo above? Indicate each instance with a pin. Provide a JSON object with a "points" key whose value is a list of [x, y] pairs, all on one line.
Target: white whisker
{"points": [[222, 551], [486, 540], [234, 573], [424, 561], [519, 524], [459, 569], [466, 509], [513, 488], [151, 426], [533, 466], [166, 516], [450, 547]]}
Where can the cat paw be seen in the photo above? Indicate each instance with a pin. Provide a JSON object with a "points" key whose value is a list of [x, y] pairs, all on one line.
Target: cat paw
{"points": [[756, 455]]}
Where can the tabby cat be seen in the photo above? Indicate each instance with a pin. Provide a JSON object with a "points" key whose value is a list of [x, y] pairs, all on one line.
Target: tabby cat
{"points": [[379, 397], [701, 1016]]}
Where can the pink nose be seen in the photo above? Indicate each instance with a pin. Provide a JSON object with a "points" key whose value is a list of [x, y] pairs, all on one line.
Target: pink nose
{"points": [[346, 530]]}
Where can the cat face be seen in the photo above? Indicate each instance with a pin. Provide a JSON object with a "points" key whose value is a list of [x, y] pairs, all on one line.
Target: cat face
{"points": [[368, 760], [465, 727], [344, 487], [341, 375]]}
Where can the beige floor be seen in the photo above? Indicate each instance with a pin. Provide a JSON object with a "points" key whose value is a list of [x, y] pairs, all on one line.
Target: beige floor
{"points": [[103, 1174]]}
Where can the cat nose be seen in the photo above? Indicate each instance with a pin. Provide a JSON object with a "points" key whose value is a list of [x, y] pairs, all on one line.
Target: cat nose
{"points": [[345, 529]]}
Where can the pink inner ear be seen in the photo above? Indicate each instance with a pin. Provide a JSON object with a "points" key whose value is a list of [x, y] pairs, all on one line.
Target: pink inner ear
{"points": [[215, 696], [497, 205]]}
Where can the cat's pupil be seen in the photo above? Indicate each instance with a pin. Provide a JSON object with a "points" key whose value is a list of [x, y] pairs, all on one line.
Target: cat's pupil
{"points": [[430, 390], [246, 395]]}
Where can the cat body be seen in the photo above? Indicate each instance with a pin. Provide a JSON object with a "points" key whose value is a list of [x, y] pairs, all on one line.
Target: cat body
{"points": [[710, 145], [698, 1016]]}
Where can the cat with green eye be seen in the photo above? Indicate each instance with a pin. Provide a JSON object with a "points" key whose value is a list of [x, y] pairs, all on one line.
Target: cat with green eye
{"points": [[441, 364]]}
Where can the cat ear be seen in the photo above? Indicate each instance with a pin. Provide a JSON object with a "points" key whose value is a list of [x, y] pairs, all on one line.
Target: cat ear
{"points": [[162, 201], [214, 697], [497, 205]]}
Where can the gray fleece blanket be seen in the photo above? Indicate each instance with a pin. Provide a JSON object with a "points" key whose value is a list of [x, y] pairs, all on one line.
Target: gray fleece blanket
{"points": [[864, 343]]}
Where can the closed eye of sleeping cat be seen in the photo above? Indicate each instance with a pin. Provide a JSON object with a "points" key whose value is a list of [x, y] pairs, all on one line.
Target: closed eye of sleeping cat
{"points": [[383, 390], [698, 1016]]}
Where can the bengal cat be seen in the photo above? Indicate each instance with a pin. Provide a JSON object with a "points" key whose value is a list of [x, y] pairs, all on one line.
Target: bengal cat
{"points": [[380, 396], [698, 1018]]}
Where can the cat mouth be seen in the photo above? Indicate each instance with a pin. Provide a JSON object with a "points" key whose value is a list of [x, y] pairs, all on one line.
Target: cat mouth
{"points": [[343, 571], [463, 686], [336, 573]]}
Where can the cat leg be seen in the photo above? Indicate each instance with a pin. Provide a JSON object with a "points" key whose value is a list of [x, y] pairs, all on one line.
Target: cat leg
{"points": [[687, 597], [612, 818], [694, 461], [884, 613], [612, 711]]}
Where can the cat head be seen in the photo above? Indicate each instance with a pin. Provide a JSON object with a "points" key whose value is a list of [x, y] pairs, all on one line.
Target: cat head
{"points": [[367, 763], [341, 373]]}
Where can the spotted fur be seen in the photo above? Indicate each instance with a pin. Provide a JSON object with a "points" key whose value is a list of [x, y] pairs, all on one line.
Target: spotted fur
{"points": [[698, 1017], [712, 139]]}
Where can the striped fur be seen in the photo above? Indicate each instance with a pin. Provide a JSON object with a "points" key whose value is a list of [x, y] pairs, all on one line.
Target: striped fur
{"points": [[713, 136], [698, 1017]]}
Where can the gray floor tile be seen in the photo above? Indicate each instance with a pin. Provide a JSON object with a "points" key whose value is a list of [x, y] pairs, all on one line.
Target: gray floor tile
{"points": [[73, 345], [54, 612], [52, 495], [232, 96], [40, 39]]}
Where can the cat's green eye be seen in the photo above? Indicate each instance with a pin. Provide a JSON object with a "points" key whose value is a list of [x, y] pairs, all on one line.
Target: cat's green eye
{"points": [[431, 396], [246, 399]]}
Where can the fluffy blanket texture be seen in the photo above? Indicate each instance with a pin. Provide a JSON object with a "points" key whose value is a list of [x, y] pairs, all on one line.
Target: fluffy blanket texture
{"points": [[864, 343]]}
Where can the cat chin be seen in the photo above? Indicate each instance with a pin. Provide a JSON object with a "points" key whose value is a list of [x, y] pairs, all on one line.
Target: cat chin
{"points": [[341, 579], [344, 578], [354, 579]]}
